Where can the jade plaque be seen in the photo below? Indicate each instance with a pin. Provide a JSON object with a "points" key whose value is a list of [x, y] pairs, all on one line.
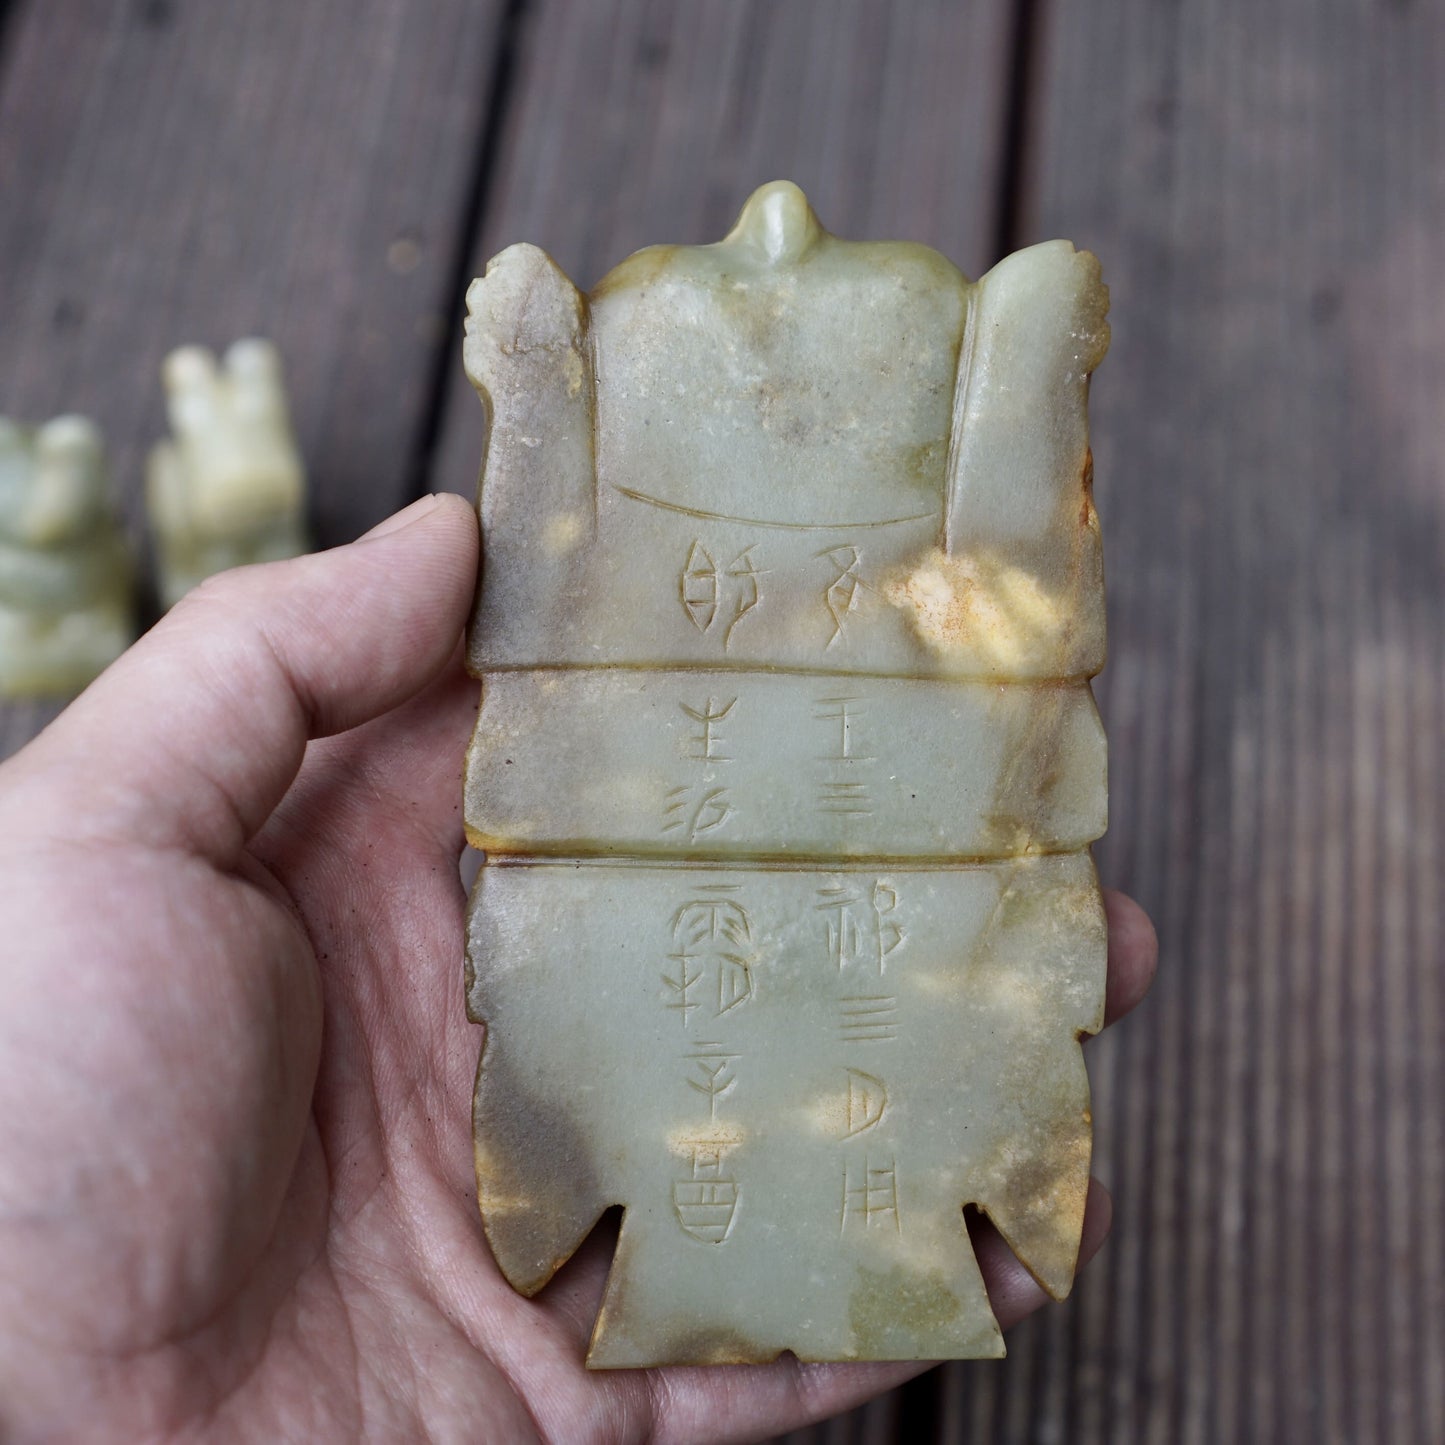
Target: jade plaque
{"points": [[786, 772]]}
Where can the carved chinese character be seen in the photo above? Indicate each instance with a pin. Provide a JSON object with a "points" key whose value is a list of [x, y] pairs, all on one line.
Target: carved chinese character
{"points": [[867, 1101], [712, 941], [712, 1075], [870, 1194], [228, 488], [710, 594], [706, 1203], [695, 810], [861, 929], [65, 570], [706, 740], [787, 770]]}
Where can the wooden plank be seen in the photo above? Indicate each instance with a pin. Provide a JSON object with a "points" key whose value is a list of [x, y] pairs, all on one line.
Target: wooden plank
{"points": [[1266, 187], [637, 121], [175, 171]]}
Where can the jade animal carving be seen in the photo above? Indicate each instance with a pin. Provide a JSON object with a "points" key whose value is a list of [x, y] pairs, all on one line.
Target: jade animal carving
{"points": [[786, 771], [227, 488], [66, 611]]}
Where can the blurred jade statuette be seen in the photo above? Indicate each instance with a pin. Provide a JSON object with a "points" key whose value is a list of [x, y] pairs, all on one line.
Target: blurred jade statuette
{"points": [[786, 771], [65, 571], [228, 487]]}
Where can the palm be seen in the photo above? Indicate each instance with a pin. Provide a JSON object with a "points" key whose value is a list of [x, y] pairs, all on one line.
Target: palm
{"points": [[247, 1195]]}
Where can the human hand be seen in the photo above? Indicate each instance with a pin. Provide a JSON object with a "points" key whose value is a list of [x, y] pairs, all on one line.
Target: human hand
{"points": [[236, 1191]]}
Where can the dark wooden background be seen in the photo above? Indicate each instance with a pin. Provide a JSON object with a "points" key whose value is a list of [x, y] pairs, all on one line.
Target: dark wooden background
{"points": [[1264, 181]]}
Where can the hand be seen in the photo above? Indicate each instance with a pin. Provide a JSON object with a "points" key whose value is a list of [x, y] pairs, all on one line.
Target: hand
{"points": [[236, 1192]]}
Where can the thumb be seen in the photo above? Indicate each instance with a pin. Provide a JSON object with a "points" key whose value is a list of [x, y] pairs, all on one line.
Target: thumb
{"points": [[193, 736]]}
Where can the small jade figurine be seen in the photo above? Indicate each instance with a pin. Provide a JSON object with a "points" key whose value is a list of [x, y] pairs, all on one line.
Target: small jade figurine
{"points": [[229, 487], [786, 771], [65, 570]]}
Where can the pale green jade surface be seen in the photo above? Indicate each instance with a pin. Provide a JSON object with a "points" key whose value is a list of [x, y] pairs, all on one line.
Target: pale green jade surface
{"points": [[228, 487], [66, 608], [787, 769]]}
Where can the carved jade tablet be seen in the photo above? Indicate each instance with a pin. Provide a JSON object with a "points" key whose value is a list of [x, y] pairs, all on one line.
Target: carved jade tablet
{"points": [[786, 771]]}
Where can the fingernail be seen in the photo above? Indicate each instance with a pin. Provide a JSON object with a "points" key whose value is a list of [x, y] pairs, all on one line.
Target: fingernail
{"points": [[404, 518]]}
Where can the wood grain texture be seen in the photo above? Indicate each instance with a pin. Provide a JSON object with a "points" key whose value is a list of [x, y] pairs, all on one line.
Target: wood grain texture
{"points": [[1266, 185], [176, 171]]}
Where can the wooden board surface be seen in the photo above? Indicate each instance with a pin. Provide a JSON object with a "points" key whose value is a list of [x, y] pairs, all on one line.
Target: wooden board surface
{"points": [[1266, 187], [174, 171]]}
